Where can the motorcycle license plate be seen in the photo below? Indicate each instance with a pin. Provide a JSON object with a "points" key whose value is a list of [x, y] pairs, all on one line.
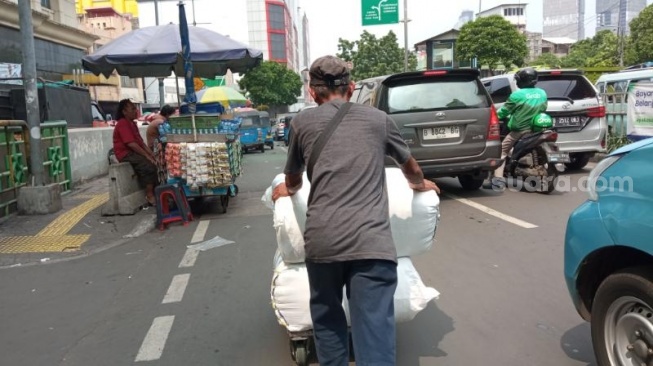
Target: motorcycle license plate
{"points": [[558, 158]]}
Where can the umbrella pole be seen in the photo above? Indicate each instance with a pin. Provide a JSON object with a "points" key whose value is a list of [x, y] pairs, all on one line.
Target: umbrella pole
{"points": [[177, 82], [192, 118]]}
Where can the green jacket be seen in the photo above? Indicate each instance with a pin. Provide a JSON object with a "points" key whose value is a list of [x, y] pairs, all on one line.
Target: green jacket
{"points": [[522, 106]]}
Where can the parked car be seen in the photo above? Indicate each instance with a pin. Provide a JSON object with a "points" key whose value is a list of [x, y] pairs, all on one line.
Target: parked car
{"points": [[608, 264], [445, 116], [286, 127], [575, 105], [289, 118]]}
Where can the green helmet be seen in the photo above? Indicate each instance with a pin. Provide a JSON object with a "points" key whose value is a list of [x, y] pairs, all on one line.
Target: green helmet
{"points": [[542, 122]]}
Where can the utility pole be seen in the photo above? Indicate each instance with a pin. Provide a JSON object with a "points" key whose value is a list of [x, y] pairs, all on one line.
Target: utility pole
{"points": [[31, 91], [621, 30], [405, 21]]}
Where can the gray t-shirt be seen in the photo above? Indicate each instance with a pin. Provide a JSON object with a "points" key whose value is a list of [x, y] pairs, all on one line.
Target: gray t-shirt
{"points": [[347, 216]]}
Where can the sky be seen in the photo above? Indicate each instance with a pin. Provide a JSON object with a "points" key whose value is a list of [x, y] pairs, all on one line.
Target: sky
{"points": [[333, 19]]}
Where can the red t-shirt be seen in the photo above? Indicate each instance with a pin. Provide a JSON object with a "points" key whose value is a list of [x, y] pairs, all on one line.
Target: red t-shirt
{"points": [[125, 132]]}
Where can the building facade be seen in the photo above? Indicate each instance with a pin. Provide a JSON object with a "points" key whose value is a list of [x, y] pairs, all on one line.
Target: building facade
{"points": [[564, 18], [514, 13], [615, 15], [281, 30], [58, 43], [107, 24]]}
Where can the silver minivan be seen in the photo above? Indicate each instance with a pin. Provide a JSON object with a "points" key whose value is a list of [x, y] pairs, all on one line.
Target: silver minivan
{"points": [[575, 105]]}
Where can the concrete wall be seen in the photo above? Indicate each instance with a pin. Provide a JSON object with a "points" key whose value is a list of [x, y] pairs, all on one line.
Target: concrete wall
{"points": [[88, 152]]}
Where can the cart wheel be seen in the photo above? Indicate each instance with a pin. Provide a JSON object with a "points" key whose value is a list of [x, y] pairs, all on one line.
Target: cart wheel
{"points": [[262, 148], [224, 201], [272, 146], [299, 350]]}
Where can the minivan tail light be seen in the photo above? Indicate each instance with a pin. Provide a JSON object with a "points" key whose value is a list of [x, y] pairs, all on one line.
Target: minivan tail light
{"points": [[556, 72], [435, 73], [596, 112], [494, 130]]}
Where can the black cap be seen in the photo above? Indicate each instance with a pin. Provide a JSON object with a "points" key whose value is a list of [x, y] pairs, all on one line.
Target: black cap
{"points": [[329, 71]]}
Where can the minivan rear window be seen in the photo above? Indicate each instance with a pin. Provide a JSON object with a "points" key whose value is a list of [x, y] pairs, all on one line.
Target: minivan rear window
{"points": [[435, 94], [567, 86]]}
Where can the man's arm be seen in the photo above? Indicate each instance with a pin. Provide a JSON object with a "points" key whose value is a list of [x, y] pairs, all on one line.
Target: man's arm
{"points": [[508, 107], [415, 177]]}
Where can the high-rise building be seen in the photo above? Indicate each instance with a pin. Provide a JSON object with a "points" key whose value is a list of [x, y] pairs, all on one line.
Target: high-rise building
{"points": [[615, 15], [280, 29], [465, 16], [564, 18]]}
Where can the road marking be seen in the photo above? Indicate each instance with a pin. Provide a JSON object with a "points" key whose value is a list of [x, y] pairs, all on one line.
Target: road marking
{"points": [[177, 288], [189, 258], [489, 211], [200, 231], [156, 338], [285, 149]]}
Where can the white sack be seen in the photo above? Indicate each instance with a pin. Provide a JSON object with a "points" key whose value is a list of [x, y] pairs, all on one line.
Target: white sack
{"points": [[290, 294], [413, 217]]}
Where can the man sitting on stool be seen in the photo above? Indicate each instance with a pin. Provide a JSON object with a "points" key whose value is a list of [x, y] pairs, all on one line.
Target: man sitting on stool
{"points": [[128, 145]]}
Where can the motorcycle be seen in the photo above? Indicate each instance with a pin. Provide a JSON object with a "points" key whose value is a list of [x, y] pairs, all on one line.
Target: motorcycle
{"points": [[534, 158]]}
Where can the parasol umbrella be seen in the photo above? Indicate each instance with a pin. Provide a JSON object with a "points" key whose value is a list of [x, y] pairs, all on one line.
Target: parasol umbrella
{"points": [[156, 52], [228, 97]]}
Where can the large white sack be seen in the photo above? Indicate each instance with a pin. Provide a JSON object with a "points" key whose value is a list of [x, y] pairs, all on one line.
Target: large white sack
{"points": [[413, 217], [290, 294]]}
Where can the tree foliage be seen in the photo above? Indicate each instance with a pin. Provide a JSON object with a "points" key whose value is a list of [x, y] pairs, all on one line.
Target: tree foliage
{"points": [[640, 44], [548, 60], [492, 41], [598, 51], [374, 56], [272, 83]]}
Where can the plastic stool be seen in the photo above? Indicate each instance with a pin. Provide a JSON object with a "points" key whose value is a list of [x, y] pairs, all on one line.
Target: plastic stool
{"points": [[164, 215]]}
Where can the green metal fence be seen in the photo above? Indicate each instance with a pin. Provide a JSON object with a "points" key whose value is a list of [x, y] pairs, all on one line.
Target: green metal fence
{"points": [[56, 155], [14, 160], [13, 167]]}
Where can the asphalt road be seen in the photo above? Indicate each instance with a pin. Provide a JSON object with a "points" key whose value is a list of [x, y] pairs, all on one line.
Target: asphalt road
{"points": [[151, 301]]}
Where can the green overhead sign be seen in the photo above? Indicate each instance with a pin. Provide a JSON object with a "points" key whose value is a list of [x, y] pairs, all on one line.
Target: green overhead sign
{"points": [[376, 12]]}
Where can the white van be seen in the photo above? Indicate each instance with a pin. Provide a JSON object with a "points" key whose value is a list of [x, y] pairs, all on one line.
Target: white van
{"points": [[618, 82]]}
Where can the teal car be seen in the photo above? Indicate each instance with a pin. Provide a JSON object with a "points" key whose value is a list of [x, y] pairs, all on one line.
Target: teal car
{"points": [[608, 262]]}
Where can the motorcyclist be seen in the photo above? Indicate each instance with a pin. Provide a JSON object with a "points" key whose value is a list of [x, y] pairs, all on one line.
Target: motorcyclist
{"points": [[520, 109]]}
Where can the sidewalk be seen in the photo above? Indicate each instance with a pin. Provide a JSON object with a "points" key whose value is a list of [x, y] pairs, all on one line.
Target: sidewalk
{"points": [[77, 230]]}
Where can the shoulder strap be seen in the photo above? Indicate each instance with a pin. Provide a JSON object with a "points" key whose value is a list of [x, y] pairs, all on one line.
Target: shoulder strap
{"points": [[324, 137]]}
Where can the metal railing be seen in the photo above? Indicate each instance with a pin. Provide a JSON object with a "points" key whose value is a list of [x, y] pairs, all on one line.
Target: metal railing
{"points": [[14, 159]]}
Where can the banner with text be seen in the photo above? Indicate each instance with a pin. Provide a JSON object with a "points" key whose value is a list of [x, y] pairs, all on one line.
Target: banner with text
{"points": [[640, 109], [377, 12]]}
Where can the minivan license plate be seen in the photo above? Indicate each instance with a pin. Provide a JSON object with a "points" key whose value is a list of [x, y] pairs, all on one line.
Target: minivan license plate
{"points": [[567, 121], [436, 133]]}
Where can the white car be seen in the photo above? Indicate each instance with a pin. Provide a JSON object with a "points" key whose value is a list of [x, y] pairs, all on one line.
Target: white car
{"points": [[575, 105]]}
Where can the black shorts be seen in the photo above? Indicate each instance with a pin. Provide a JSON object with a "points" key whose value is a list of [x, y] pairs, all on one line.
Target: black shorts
{"points": [[145, 170]]}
